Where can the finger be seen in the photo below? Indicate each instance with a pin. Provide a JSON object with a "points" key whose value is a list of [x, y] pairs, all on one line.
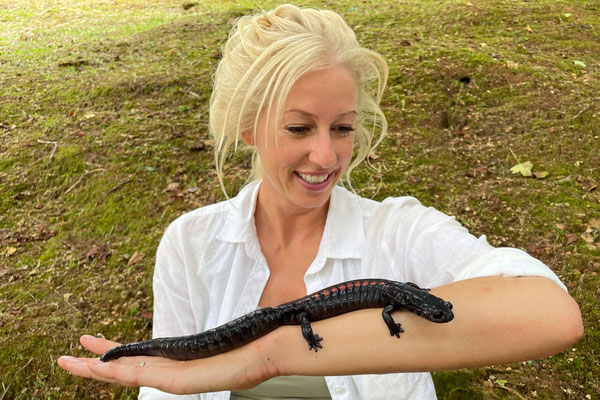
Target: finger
{"points": [[97, 345], [130, 373], [80, 367]]}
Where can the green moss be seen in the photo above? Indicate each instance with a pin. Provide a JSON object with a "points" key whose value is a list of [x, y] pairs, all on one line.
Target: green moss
{"points": [[456, 385], [125, 123]]}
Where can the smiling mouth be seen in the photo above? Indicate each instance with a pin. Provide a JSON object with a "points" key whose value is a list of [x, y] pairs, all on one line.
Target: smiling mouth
{"points": [[313, 179]]}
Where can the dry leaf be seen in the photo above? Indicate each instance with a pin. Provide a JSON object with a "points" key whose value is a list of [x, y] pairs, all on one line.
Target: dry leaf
{"points": [[147, 314], [587, 238], [528, 29], [571, 238], [136, 257], [594, 223], [172, 186], [561, 226], [10, 251]]}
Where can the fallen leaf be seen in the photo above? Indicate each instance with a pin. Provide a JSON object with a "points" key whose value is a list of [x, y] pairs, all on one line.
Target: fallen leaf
{"points": [[136, 257], [579, 63], [3, 271], [522, 168], [561, 226], [541, 174], [528, 29], [571, 238], [172, 186], [100, 254], [67, 296], [587, 238], [594, 223], [147, 314], [88, 115], [10, 251]]}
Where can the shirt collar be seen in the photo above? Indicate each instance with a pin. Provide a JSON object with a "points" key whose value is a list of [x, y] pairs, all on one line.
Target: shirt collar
{"points": [[239, 226], [343, 236]]}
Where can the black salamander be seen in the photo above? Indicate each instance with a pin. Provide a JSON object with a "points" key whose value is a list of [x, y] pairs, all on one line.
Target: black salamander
{"points": [[326, 303]]}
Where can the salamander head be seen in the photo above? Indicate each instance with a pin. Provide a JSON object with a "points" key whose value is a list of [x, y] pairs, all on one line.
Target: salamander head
{"points": [[422, 303]]}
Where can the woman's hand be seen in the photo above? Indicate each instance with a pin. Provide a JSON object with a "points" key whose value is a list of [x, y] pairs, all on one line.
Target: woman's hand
{"points": [[241, 368]]}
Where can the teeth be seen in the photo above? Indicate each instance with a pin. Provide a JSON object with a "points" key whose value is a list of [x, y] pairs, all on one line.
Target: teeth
{"points": [[313, 178]]}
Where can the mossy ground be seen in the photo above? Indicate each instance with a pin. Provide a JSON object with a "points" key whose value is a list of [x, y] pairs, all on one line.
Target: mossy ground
{"points": [[103, 129]]}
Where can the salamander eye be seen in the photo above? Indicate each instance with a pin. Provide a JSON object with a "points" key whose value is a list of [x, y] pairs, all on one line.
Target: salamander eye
{"points": [[438, 315]]}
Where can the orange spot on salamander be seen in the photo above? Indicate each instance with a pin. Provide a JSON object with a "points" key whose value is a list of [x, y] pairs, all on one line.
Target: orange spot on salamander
{"points": [[365, 283], [342, 287], [350, 284], [334, 290]]}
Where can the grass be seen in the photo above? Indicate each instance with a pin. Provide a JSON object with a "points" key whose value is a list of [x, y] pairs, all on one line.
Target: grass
{"points": [[103, 118]]}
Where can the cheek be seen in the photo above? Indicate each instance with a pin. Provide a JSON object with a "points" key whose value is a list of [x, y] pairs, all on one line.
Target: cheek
{"points": [[346, 149]]}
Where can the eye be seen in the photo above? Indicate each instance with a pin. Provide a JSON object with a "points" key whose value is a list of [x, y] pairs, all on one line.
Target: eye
{"points": [[438, 315], [297, 129], [344, 130]]}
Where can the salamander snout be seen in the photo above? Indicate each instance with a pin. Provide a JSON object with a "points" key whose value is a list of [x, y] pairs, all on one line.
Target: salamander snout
{"points": [[443, 313]]}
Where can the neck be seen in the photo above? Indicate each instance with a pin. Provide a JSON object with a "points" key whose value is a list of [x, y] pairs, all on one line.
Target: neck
{"points": [[285, 223]]}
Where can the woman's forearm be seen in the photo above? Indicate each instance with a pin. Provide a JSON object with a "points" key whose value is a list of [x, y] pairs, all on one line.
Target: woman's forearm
{"points": [[497, 320]]}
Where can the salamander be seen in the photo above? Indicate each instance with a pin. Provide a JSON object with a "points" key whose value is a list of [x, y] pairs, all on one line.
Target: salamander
{"points": [[325, 303]]}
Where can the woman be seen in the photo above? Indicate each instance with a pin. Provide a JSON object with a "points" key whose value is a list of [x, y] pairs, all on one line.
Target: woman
{"points": [[294, 86]]}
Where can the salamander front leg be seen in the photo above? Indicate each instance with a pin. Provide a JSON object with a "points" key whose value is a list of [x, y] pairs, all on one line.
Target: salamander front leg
{"points": [[311, 338], [395, 329]]}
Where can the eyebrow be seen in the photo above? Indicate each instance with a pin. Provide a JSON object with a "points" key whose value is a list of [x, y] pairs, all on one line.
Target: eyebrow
{"points": [[313, 116]]}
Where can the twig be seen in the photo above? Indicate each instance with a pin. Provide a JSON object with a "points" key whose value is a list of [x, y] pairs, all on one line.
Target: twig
{"points": [[51, 362], [53, 150], [33, 297], [516, 158], [5, 390], [24, 366], [118, 186], [83, 176], [581, 112], [65, 300], [163, 214]]}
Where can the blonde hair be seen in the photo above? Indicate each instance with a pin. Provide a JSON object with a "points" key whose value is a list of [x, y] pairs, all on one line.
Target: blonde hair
{"points": [[265, 55]]}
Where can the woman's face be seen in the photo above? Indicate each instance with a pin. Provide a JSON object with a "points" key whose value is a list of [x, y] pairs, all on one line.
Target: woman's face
{"points": [[314, 140]]}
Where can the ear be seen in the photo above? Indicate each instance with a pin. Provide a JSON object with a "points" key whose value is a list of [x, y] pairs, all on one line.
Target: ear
{"points": [[248, 137]]}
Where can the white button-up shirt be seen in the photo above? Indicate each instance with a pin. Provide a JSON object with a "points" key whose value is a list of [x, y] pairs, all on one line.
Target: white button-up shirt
{"points": [[210, 270]]}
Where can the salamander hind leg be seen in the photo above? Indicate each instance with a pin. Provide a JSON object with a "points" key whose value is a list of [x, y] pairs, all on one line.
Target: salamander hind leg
{"points": [[395, 329], [311, 338]]}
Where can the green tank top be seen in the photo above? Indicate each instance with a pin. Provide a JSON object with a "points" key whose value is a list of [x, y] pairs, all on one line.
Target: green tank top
{"points": [[295, 387]]}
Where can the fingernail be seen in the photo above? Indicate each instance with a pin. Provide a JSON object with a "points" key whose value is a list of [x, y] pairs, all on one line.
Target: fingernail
{"points": [[88, 337], [71, 359]]}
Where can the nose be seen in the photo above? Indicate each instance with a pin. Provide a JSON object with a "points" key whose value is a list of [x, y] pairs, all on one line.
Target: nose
{"points": [[322, 150]]}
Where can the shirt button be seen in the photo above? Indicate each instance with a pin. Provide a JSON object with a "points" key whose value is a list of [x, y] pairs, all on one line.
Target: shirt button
{"points": [[339, 389]]}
